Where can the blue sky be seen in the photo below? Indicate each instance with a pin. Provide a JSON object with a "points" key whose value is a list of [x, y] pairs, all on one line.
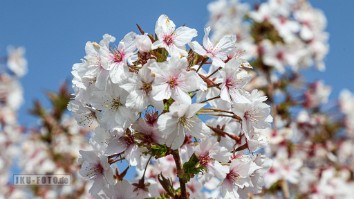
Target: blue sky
{"points": [[54, 34]]}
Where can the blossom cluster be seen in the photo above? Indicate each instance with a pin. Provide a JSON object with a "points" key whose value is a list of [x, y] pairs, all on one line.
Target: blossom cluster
{"points": [[175, 111], [279, 33], [311, 141], [12, 67], [52, 147]]}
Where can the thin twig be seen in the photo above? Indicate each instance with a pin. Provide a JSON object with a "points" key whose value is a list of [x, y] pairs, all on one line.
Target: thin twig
{"points": [[214, 72], [203, 62], [217, 97]]}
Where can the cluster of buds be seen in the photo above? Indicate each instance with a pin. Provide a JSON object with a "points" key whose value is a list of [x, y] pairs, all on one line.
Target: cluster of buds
{"points": [[186, 132], [12, 67], [311, 139]]}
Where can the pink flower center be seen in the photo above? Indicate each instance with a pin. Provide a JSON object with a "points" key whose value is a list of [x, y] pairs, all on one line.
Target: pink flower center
{"points": [[118, 56], [129, 140], [274, 134], [168, 40], [272, 170], [229, 83], [280, 56], [204, 159], [173, 82], [249, 115], [148, 138], [232, 176], [99, 169], [146, 87], [95, 170], [283, 20], [151, 118]]}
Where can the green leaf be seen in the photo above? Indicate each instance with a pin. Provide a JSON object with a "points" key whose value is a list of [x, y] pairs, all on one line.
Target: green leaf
{"points": [[167, 104], [191, 168], [158, 150]]}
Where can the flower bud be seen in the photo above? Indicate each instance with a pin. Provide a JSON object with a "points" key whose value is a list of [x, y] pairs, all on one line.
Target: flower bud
{"points": [[143, 43]]}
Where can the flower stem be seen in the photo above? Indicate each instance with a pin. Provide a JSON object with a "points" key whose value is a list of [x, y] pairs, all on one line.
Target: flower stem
{"points": [[177, 159]]}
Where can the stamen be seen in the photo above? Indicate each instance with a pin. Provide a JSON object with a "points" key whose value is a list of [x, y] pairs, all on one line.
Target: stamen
{"points": [[116, 104]]}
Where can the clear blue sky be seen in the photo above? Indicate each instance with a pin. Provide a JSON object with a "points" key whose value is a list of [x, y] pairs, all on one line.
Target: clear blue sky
{"points": [[54, 34]]}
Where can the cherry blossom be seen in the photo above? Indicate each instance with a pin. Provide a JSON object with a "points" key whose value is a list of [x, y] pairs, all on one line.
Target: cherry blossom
{"points": [[172, 39], [218, 53], [147, 115]]}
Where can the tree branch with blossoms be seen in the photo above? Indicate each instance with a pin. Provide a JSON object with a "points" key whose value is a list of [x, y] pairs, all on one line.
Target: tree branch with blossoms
{"points": [[148, 94]]}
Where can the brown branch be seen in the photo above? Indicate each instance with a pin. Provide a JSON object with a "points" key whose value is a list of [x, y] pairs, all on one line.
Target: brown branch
{"points": [[217, 97], [180, 171], [214, 72], [201, 64]]}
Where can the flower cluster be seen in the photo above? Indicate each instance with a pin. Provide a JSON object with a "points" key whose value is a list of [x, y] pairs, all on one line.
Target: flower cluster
{"points": [[278, 33], [12, 67], [181, 117], [48, 148], [311, 139], [51, 147]]}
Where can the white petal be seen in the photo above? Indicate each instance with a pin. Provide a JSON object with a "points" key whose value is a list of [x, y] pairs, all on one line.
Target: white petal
{"points": [[116, 145], [206, 41], [118, 73], [180, 96], [129, 42], [184, 35], [157, 44], [225, 46], [196, 47], [160, 92], [102, 79], [164, 26]]}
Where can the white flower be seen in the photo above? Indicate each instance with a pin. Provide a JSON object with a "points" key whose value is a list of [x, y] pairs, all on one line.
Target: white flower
{"points": [[210, 154], [125, 144], [283, 168], [16, 60], [95, 167], [217, 53], [143, 43], [234, 79], [139, 88], [237, 177], [111, 107], [117, 61], [181, 119], [317, 94], [149, 131], [173, 80], [121, 190], [84, 115], [172, 40], [254, 114], [92, 67]]}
